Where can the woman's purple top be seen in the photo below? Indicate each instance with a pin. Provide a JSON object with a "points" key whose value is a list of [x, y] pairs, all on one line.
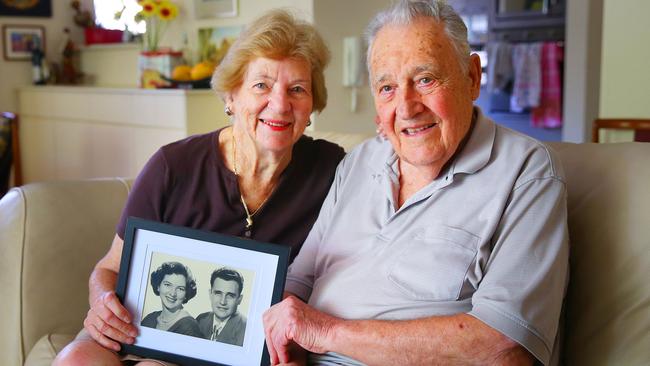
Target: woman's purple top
{"points": [[186, 183]]}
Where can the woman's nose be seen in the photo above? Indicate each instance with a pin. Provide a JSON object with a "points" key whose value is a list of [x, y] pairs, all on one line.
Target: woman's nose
{"points": [[279, 101]]}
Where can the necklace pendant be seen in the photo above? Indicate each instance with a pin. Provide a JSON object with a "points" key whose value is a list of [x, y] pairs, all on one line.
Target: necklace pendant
{"points": [[249, 222], [247, 233]]}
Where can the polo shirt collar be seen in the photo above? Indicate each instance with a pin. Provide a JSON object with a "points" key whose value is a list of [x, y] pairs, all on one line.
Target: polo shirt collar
{"points": [[473, 156], [477, 151]]}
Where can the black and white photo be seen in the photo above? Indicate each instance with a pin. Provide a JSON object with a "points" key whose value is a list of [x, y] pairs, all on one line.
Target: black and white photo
{"points": [[198, 297]]}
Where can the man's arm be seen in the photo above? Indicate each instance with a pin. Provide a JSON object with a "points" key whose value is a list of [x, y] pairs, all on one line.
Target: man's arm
{"points": [[108, 320], [456, 339]]}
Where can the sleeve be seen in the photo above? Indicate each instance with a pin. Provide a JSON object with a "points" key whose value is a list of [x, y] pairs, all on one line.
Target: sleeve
{"points": [[526, 274], [147, 197], [301, 273]]}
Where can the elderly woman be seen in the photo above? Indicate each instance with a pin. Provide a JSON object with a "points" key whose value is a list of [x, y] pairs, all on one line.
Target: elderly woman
{"points": [[175, 285], [259, 178]]}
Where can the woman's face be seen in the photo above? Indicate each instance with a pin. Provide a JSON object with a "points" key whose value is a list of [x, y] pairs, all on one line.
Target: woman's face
{"points": [[172, 291], [274, 102]]}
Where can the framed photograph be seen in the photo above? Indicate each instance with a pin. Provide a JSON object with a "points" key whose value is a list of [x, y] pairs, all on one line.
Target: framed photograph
{"points": [[214, 43], [19, 40], [198, 297], [215, 8], [26, 8]]}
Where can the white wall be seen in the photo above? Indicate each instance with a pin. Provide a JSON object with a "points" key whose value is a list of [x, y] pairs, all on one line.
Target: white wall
{"points": [[582, 68], [337, 19], [14, 74], [189, 23], [625, 75]]}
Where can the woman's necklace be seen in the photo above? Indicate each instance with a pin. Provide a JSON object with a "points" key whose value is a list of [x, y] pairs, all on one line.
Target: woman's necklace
{"points": [[165, 322], [249, 215]]}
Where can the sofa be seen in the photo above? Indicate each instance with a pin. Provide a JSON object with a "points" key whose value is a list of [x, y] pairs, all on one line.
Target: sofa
{"points": [[51, 235]]}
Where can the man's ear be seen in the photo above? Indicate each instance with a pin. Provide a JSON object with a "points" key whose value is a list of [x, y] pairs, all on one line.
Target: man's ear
{"points": [[240, 298], [474, 73]]}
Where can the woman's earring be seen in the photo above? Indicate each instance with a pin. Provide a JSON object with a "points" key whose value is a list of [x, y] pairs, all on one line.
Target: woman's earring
{"points": [[228, 111], [308, 122]]}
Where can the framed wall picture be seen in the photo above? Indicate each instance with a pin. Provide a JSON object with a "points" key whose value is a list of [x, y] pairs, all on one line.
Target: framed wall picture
{"points": [[19, 40], [215, 8], [215, 42], [198, 297], [26, 8]]}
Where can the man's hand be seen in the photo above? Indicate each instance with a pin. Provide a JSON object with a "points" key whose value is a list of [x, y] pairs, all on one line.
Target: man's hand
{"points": [[108, 321], [294, 321]]}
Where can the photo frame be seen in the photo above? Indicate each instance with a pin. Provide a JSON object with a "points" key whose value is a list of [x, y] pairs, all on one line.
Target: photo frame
{"points": [[177, 281], [215, 8], [32, 8], [18, 41], [214, 42]]}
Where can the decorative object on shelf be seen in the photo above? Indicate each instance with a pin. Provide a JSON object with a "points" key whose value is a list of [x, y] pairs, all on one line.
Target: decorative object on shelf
{"points": [[157, 14], [26, 8], [156, 66], [82, 18], [215, 8], [69, 73], [20, 40]]}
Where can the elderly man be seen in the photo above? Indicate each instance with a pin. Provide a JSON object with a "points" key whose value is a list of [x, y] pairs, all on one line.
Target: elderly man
{"points": [[446, 244]]}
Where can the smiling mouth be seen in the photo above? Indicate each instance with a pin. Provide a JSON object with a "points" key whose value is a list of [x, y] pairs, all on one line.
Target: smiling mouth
{"points": [[274, 124], [170, 299], [415, 130]]}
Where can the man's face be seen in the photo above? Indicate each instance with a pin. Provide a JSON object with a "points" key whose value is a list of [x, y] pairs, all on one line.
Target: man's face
{"points": [[225, 297], [422, 95]]}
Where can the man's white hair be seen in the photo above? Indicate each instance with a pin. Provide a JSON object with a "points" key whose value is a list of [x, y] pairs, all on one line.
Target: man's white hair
{"points": [[405, 11]]}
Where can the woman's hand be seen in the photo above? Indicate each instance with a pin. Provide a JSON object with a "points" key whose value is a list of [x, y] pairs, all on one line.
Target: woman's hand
{"points": [[108, 322]]}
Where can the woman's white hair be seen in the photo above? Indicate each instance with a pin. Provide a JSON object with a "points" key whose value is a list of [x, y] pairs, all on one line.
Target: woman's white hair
{"points": [[405, 11]]}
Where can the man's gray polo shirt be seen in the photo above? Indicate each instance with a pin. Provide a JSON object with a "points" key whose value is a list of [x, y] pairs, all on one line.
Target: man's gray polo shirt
{"points": [[488, 237]]}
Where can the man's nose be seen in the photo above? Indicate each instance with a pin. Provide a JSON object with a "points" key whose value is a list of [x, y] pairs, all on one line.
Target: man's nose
{"points": [[279, 101], [222, 300], [409, 103]]}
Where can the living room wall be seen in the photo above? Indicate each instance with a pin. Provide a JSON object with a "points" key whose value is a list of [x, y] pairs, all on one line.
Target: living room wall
{"points": [[625, 76], [14, 74]]}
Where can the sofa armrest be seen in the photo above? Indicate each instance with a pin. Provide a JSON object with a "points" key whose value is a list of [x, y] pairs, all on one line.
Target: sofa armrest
{"points": [[52, 235]]}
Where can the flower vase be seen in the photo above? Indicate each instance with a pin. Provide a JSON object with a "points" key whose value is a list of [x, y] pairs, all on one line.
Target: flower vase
{"points": [[154, 67]]}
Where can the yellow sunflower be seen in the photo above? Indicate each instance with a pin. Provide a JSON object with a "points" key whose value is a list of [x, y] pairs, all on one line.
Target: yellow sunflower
{"points": [[149, 8], [167, 10]]}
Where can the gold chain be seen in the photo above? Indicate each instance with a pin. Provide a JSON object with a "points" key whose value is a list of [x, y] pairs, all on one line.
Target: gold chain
{"points": [[249, 216]]}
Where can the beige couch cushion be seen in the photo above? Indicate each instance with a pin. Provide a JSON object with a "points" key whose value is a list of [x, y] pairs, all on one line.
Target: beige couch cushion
{"points": [[52, 235], [608, 312], [47, 348]]}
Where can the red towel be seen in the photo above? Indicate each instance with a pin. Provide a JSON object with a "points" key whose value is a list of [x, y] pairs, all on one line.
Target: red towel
{"points": [[549, 112]]}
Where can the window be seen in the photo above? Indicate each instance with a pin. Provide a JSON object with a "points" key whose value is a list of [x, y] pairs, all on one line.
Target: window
{"points": [[105, 11]]}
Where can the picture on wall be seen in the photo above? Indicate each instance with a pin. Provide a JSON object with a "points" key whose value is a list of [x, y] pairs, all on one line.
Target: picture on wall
{"points": [[20, 40], [198, 297], [26, 8], [215, 8], [214, 43]]}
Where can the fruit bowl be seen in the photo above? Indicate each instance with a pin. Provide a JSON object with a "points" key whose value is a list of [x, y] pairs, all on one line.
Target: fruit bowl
{"points": [[189, 84]]}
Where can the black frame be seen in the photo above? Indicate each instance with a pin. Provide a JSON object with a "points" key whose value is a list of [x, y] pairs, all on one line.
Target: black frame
{"points": [[134, 224], [42, 8]]}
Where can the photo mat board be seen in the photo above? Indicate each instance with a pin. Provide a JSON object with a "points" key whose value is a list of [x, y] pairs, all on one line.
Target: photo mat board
{"points": [[148, 244]]}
